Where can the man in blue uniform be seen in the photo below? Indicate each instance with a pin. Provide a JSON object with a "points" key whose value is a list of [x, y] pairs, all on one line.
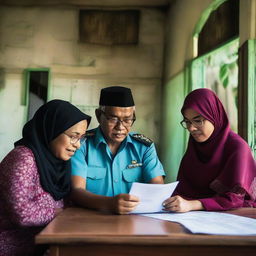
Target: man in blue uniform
{"points": [[112, 157]]}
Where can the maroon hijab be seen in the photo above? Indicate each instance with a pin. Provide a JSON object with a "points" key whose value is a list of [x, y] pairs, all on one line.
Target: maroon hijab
{"points": [[223, 163]]}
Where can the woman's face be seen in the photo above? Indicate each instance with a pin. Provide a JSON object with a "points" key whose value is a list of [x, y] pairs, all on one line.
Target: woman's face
{"points": [[200, 128], [62, 147]]}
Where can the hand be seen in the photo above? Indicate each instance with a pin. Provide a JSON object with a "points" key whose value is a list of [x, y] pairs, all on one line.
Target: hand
{"points": [[179, 204], [124, 203]]}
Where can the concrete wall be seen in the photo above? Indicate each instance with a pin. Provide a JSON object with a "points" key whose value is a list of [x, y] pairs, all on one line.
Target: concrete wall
{"points": [[183, 17], [247, 24], [44, 37]]}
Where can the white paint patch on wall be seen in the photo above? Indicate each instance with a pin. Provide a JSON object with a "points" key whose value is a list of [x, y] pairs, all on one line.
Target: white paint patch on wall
{"points": [[12, 113]]}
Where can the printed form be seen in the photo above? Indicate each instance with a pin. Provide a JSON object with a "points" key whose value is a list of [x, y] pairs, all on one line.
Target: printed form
{"points": [[151, 196], [213, 223], [199, 222]]}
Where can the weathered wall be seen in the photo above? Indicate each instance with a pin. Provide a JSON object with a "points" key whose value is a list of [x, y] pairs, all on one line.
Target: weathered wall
{"points": [[247, 24], [33, 37], [182, 19]]}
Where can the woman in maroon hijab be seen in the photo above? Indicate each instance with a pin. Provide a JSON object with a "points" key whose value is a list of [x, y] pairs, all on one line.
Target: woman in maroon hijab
{"points": [[218, 171]]}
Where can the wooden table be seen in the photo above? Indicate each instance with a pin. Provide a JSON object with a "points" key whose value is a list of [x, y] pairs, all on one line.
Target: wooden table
{"points": [[78, 231]]}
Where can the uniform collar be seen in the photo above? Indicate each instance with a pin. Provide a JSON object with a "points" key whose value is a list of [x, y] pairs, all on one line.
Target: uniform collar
{"points": [[99, 138], [129, 139]]}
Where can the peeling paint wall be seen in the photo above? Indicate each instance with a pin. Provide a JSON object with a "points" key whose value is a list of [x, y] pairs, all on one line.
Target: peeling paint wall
{"points": [[33, 37]]}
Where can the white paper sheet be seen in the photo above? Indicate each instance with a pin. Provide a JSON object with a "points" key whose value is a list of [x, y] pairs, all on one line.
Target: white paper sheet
{"points": [[214, 223], [151, 196]]}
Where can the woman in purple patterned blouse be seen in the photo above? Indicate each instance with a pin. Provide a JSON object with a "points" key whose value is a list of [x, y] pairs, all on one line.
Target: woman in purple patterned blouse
{"points": [[35, 175]]}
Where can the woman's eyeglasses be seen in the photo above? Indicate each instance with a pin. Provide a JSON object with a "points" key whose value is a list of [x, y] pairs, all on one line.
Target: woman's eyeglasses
{"points": [[198, 123], [75, 139]]}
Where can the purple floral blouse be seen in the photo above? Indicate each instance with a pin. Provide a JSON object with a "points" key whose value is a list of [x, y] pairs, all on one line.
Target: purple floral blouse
{"points": [[24, 206]]}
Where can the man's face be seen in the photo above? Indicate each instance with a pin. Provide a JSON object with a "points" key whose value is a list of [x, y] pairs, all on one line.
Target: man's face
{"points": [[115, 123]]}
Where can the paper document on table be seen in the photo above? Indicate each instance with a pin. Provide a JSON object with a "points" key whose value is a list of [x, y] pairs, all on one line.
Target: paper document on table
{"points": [[151, 196], [214, 223]]}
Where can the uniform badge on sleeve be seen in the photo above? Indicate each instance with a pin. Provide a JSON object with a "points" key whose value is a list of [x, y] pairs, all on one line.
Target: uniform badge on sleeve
{"points": [[142, 138], [134, 164]]}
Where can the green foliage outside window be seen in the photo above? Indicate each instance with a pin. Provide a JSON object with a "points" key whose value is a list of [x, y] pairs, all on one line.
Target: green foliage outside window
{"points": [[218, 71]]}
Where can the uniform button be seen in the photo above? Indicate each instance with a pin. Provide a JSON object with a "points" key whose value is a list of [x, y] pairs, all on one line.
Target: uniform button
{"points": [[115, 181]]}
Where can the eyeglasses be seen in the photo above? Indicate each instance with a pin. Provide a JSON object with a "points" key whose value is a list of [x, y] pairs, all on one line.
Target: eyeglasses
{"points": [[126, 122], [198, 123], [75, 139]]}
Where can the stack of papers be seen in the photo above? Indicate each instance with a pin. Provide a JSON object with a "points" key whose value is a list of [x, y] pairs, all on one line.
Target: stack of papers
{"points": [[214, 223], [201, 222]]}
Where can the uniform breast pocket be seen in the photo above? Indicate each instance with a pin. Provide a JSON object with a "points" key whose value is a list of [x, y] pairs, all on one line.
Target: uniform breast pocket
{"points": [[95, 179], [132, 174]]}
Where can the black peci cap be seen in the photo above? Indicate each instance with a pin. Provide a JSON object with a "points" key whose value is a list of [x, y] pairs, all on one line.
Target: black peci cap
{"points": [[116, 96]]}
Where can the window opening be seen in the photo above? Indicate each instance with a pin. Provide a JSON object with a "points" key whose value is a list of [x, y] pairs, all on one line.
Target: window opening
{"points": [[218, 71], [37, 90]]}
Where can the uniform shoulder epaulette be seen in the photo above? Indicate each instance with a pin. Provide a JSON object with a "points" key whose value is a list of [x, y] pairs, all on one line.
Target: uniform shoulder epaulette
{"points": [[143, 139], [90, 133]]}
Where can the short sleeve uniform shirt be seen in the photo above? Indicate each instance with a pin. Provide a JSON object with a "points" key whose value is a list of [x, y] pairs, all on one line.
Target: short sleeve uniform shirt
{"points": [[110, 175]]}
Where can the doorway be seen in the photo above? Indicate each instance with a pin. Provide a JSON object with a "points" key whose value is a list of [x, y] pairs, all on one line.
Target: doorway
{"points": [[37, 89]]}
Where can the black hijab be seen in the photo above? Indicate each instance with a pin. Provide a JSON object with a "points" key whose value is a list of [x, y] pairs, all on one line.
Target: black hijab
{"points": [[49, 121]]}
